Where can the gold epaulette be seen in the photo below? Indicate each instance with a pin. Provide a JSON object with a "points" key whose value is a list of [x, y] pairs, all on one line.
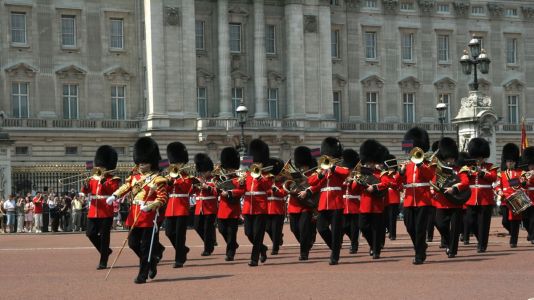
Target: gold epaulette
{"points": [[116, 177], [386, 172], [499, 173], [494, 167], [464, 169], [160, 180]]}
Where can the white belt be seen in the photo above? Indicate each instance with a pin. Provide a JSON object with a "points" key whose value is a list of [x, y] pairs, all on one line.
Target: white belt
{"points": [[100, 196], [139, 202], [206, 198], [351, 197], [275, 199], [481, 186], [331, 188], [255, 193], [530, 189], [178, 195], [416, 184]]}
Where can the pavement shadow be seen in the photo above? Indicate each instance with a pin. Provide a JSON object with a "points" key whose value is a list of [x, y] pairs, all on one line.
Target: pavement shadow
{"points": [[370, 261], [296, 262], [488, 254], [192, 278], [453, 260]]}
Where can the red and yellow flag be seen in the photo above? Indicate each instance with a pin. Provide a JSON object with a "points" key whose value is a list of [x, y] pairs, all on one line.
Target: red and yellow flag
{"points": [[524, 139]]}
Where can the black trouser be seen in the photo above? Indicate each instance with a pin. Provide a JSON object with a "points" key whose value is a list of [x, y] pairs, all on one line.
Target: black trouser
{"points": [[392, 213], [98, 232], [303, 229], [529, 218], [505, 222], [479, 217], [373, 230], [514, 231], [205, 227], [416, 221], [228, 229], [431, 223], [351, 227], [255, 232], [139, 241], [275, 225], [448, 222], [330, 227], [175, 230]]}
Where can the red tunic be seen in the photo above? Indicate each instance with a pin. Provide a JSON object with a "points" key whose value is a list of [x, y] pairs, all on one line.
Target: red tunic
{"points": [[38, 205], [231, 209], [330, 187], [481, 188], [416, 184], [394, 188], [440, 202], [206, 200], [507, 189], [151, 189], [369, 202], [530, 189], [179, 191], [351, 199], [255, 199], [276, 201], [97, 193]]}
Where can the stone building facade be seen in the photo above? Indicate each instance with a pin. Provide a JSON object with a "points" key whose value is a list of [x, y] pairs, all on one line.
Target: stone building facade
{"points": [[77, 74]]}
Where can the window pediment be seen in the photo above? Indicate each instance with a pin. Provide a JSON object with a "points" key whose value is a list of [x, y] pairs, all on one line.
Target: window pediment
{"points": [[372, 81], [513, 85], [340, 80], [445, 83], [274, 78], [71, 71], [21, 69], [409, 82], [117, 73]]}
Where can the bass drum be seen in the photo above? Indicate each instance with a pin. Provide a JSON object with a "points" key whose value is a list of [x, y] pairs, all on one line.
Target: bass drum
{"points": [[518, 202]]}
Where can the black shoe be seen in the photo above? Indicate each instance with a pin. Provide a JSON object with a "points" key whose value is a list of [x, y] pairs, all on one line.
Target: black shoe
{"points": [[101, 266], [451, 255], [178, 265], [252, 263], [229, 258], [429, 239], [371, 253], [333, 262], [481, 250], [303, 256], [461, 237], [417, 261], [140, 279], [376, 256], [205, 253], [263, 254], [274, 252], [187, 250], [513, 245], [153, 271], [447, 251], [466, 242], [353, 251], [392, 237], [281, 240], [532, 242]]}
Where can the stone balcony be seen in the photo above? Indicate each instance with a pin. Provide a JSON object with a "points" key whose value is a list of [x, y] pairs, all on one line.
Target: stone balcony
{"points": [[64, 124]]}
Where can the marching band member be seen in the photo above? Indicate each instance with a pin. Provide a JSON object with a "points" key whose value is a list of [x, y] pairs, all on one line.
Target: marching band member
{"points": [[373, 186], [480, 205], [206, 206], [256, 185], [528, 215], [329, 183], [432, 216], [98, 188], [276, 210], [417, 198], [393, 196], [177, 210], [300, 211], [148, 191], [466, 229], [510, 180], [229, 201], [449, 214], [351, 199]]}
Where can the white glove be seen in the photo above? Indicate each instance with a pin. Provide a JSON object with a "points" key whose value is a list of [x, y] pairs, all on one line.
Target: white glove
{"points": [[110, 199], [146, 208]]}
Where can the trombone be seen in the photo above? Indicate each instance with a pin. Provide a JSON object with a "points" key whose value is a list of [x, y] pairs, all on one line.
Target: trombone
{"points": [[96, 173], [416, 155]]}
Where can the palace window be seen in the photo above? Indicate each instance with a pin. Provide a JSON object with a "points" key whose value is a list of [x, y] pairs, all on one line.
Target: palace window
{"points": [[19, 99]]}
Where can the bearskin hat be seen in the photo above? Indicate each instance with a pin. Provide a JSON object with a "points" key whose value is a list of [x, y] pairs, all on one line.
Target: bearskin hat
{"points": [[277, 164], [463, 159], [259, 150], [392, 161], [419, 136], [350, 158], [447, 149], [478, 148], [106, 157], [435, 146], [146, 150], [331, 147], [177, 153], [371, 151], [528, 155], [510, 151], [203, 163], [230, 158], [302, 156]]}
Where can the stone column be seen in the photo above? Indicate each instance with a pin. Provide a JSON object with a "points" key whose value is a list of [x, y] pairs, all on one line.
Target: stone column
{"points": [[326, 108], [259, 60], [155, 65], [296, 106], [5, 163], [223, 26], [189, 59]]}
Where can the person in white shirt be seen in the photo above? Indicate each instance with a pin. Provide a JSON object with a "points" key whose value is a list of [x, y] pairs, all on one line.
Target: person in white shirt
{"points": [[10, 206]]}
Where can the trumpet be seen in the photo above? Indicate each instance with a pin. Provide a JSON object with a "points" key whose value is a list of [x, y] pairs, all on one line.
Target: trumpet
{"points": [[256, 170], [326, 162], [176, 170], [96, 173], [416, 155]]}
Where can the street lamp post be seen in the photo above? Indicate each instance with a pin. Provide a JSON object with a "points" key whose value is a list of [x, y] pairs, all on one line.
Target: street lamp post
{"points": [[442, 111], [242, 112], [478, 57]]}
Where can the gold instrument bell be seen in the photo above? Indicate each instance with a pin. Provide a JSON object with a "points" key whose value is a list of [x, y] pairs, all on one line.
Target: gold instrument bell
{"points": [[326, 162], [417, 155], [175, 170]]}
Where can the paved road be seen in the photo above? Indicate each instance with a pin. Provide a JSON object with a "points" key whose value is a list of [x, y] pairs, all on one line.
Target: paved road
{"points": [[63, 266]]}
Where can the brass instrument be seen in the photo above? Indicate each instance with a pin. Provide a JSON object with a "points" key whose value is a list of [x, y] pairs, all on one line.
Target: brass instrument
{"points": [[176, 170], [417, 155], [96, 173], [256, 170], [326, 162], [528, 174]]}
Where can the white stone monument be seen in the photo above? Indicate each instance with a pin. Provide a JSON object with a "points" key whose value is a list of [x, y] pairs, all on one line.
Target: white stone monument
{"points": [[5, 161], [476, 118]]}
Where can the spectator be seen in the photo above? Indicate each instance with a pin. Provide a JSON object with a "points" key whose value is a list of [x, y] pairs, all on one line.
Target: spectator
{"points": [[67, 212], [20, 214], [124, 209], [85, 209], [10, 207], [38, 211], [116, 216], [54, 211], [2, 216], [77, 205], [29, 214], [61, 209]]}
